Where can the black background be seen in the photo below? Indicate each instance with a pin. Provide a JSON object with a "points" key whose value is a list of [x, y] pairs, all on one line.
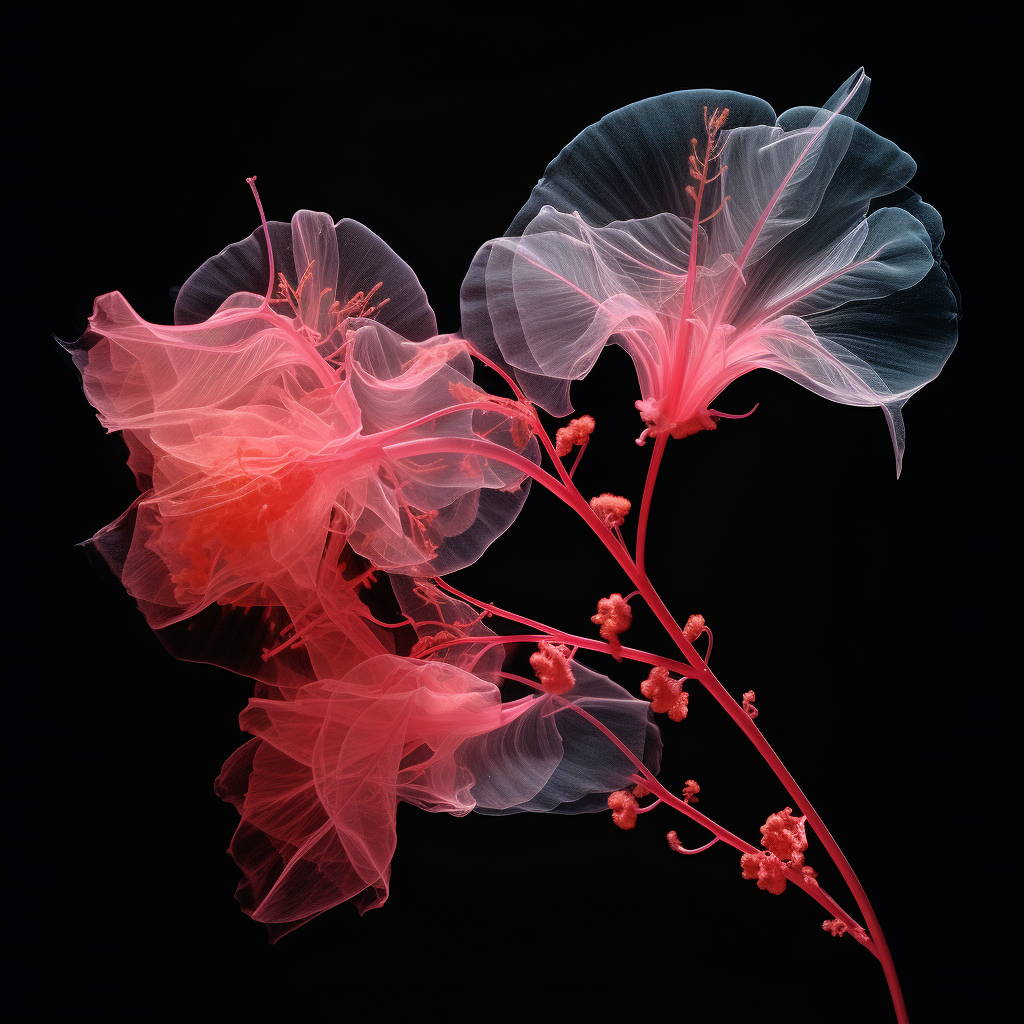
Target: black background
{"points": [[863, 611]]}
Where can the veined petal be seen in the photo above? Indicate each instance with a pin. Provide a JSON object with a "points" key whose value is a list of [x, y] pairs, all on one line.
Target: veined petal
{"points": [[548, 758], [319, 786], [888, 252], [560, 293], [355, 261]]}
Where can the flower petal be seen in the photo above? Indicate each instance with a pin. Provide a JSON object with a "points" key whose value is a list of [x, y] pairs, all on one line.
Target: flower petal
{"points": [[360, 261], [548, 758]]}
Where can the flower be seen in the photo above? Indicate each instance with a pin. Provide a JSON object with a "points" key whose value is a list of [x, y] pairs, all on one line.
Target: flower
{"points": [[785, 836], [623, 806], [318, 787], [707, 237], [289, 442], [575, 432], [611, 509], [785, 839]]}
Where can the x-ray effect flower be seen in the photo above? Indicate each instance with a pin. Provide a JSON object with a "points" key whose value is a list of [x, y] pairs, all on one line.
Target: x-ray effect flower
{"points": [[318, 786], [708, 237], [289, 444]]}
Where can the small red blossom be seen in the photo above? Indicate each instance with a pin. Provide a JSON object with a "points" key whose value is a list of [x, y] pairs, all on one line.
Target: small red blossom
{"points": [[690, 791], [767, 869], [624, 808], [750, 864], [748, 703], [575, 432], [785, 839], [834, 927], [674, 843], [551, 663], [693, 628], [665, 694], [426, 644], [614, 616], [611, 509], [785, 836], [681, 708]]}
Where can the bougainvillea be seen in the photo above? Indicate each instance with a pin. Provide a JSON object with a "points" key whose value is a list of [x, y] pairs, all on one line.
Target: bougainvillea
{"points": [[312, 455]]}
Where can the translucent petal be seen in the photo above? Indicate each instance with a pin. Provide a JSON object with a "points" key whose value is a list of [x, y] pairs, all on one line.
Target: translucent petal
{"points": [[432, 610], [265, 482], [318, 789], [551, 759], [358, 262], [319, 786]]}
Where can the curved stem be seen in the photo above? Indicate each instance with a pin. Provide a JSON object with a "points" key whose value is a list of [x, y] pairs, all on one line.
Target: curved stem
{"points": [[648, 779], [629, 653], [696, 669], [541, 433]]}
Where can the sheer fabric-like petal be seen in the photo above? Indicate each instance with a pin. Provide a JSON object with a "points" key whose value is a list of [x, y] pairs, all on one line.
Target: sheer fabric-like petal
{"points": [[362, 260], [602, 253], [319, 786], [551, 759], [283, 454]]}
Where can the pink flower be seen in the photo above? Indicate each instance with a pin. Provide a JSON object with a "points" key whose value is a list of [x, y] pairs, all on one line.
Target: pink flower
{"points": [[785, 839], [707, 238], [288, 446], [318, 786], [766, 869], [575, 432], [611, 509], [623, 806], [785, 836]]}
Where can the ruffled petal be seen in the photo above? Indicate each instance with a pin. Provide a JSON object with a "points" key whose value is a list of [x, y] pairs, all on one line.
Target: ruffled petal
{"points": [[630, 165], [265, 481], [440, 508], [551, 759], [319, 786], [354, 261]]}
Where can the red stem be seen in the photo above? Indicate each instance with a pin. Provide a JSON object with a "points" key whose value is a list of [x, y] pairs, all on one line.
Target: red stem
{"points": [[654, 786], [645, 505], [568, 493]]}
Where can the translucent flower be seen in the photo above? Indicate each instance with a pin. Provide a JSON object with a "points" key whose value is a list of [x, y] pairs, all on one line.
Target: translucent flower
{"points": [[318, 786], [289, 443], [789, 269]]}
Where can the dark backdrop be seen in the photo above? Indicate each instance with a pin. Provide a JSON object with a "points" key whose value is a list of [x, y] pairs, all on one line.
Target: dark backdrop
{"points": [[861, 609]]}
